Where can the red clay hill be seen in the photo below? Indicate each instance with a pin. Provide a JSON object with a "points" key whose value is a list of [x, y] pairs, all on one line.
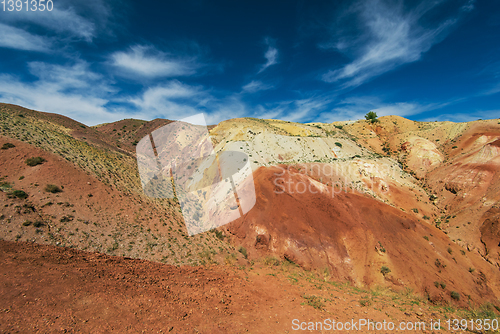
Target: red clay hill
{"points": [[356, 238]]}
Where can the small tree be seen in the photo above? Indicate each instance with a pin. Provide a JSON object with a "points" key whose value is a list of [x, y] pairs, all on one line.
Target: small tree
{"points": [[385, 270], [371, 116]]}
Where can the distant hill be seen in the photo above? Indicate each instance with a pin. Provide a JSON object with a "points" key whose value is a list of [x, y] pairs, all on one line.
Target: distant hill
{"points": [[418, 198]]}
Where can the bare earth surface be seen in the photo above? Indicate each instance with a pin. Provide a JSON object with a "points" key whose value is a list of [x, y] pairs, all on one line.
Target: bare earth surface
{"points": [[400, 223], [50, 289]]}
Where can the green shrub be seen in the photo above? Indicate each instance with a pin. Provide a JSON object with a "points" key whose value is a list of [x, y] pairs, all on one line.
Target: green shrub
{"points": [[18, 193], [271, 261], [34, 161], [52, 188], [426, 237], [414, 210], [243, 251], [6, 146], [455, 295], [314, 301], [5, 186], [218, 234], [338, 144], [65, 219], [385, 270], [471, 270], [365, 302]]}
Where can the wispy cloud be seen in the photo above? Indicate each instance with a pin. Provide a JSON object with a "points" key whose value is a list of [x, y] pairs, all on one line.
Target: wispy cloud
{"points": [[68, 20], [466, 117], [176, 100], [58, 21], [304, 109], [76, 76], [255, 86], [390, 37], [469, 6], [72, 90], [271, 54], [15, 38], [148, 62], [172, 100], [356, 108]]}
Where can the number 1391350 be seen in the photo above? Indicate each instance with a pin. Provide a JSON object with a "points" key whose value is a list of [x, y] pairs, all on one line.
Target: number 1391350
{"points": [[27, 5]]}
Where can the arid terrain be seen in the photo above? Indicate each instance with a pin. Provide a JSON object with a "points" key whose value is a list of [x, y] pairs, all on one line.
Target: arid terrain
{"points": [[394, 220]]}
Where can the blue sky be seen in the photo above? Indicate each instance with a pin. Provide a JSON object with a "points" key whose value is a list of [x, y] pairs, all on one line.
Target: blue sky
{"points": [[307, 61]]}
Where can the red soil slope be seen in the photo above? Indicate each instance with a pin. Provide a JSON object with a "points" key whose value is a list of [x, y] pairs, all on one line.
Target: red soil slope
{"points": [[50, 289], [353, 236], [468, 185], [88, 214], [490, 234]]}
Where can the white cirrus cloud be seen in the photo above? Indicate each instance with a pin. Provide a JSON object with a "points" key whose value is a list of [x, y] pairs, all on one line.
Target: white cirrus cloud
{"points": [[19, 39], [255, 86], [71, 90], [271, 55], [172, 100], [56, 21], [148, 62], [389, 37]]}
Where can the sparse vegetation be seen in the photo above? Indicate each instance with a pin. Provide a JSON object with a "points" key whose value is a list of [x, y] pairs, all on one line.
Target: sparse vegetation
{"points": [[18, 193], [314, 301], [365, 302], [218, 234], [385, 270], [271, 261], [243, 251], [52, 188], [455, 295], [439, 264], [6, 146], [5, 186], [35, 161]]}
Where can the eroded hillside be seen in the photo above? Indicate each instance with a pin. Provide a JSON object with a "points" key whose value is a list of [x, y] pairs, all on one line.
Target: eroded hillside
{"points": [[416, 198]]}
